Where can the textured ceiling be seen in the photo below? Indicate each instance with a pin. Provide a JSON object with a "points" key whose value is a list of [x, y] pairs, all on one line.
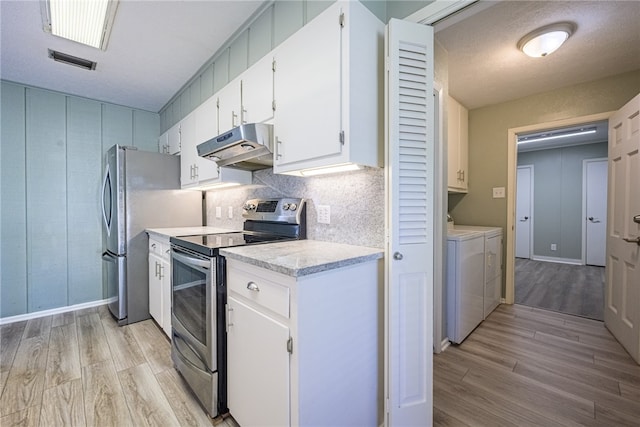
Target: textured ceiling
{"points": [[154, 49], [486, 68]]}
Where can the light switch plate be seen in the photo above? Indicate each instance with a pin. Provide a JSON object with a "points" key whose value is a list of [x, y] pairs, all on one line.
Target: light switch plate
{"points": [[498, 192], [218, 212], [324, 214]]}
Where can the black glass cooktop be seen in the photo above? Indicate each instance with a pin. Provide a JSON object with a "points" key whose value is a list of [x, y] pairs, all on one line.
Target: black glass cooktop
{"points": [[208, 244]]}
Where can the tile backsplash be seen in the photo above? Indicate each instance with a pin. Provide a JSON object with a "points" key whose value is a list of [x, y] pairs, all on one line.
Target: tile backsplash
{"points": [[356, 200]]}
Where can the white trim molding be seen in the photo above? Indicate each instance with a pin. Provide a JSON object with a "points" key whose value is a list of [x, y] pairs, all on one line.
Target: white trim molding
{"points": [[59, 310], [570, 261]]}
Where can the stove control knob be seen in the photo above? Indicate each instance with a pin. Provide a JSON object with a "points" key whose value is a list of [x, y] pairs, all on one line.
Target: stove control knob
{"points": [[293, 207], [286, 206], [249, 207]]}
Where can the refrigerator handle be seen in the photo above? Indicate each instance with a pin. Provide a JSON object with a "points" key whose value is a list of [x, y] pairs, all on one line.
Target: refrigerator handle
{"points": [[107, 257], [104, 213]]}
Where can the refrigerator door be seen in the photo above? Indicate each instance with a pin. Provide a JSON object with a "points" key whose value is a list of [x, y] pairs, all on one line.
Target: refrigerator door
{"points": [[116, 272], [113, 202]]}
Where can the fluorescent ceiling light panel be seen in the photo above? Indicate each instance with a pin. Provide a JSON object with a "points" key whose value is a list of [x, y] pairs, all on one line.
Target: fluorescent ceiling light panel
{"points": [[550, 136], [84, 21]]}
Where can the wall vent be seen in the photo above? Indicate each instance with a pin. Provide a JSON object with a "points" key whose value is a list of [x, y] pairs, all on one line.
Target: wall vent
{"points": [[72, 60]]}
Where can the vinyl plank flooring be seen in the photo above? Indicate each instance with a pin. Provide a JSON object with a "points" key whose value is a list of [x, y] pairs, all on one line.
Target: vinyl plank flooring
{"points": [[62, 319], [104, 401], [37, 327], [92, 341], [63, 405], [154, 344], [125, 351], [184, 403], [443, 419], [29, 417], [608, 417], [63, 361], [25, 383], [10, 336], [147, 403]]}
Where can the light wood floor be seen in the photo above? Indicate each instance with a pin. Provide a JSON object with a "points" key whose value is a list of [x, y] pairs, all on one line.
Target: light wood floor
{"points": [[571, 289], [525, 366], [520, 367], [81, 369]]}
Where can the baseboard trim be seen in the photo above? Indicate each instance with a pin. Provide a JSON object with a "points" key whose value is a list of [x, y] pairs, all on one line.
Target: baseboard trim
{"points": [[558, 260], [59, 310]]}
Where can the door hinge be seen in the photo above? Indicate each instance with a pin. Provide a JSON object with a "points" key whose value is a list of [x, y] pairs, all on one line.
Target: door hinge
{"points": [[341, 137], [290, 345], [273, 66], [273, 105], [341, 20], [218, 103]]}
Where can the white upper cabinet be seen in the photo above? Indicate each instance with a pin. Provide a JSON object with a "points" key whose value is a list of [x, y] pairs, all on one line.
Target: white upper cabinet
{"points": [[169, 142], [257, 92], [458, 147], [207, 120], [188, 154], [229, 106], [328, 88]]}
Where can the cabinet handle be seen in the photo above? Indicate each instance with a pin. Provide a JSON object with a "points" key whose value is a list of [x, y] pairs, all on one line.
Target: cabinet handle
{"points": [[160, 271], [234, 116], [157, 270], [253, 287], [195, 170], [462, 175], [229, 324], [243, 115], [278, 148]]}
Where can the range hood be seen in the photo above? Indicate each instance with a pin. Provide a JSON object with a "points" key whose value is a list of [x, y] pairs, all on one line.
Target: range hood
{"points": [[247, 147]]}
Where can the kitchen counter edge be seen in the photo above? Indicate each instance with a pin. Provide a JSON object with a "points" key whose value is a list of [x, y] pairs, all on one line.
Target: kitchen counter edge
{"points": [[303, 257], [166, 233]]}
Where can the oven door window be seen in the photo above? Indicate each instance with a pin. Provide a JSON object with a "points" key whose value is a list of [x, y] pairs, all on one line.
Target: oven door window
{"points": [[190, 297]]}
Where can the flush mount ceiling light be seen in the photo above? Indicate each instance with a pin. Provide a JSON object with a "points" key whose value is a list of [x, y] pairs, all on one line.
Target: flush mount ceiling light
{"points": [[555, 135], [84, 21], [547, 39]]}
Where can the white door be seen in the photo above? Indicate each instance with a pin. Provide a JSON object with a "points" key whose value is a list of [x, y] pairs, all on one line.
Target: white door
{"points": [[409, 171], [595, 195], [524, 209], [622, 287]]}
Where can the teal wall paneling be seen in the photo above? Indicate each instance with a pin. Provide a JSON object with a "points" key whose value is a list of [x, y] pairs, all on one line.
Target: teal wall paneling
{"points": [[46, 200], [261, 36], [51, 157], [146, 128], [221, 71], [117, 126], [185, 102], [206, 83], [13, 232], [238, 55], [557, 186], [379, 8], [196, 98], [315, 7], [84, 178], [287, 19]]}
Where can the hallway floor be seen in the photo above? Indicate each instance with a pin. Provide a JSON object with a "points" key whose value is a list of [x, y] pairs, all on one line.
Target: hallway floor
{"points": [[571, 289]]}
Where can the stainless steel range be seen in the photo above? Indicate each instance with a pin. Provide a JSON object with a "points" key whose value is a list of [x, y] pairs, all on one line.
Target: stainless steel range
{"points": [[198, 347]]}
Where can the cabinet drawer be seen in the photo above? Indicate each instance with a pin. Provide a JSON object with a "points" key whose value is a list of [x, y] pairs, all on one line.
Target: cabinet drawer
{"points": [[263, 292], [162, 249]]}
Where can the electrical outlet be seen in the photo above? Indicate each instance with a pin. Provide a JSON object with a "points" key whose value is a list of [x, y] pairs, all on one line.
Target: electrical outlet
{"points": [[230, 212], [324, 214], [498, 192], [554, 247], [218, 212]]}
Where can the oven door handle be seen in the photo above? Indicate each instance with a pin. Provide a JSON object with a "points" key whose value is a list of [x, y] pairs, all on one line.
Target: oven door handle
{"points": [[189, 260]]}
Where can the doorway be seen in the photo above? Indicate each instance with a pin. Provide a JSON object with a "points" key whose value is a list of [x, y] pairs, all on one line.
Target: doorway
{"points": [[548, 243]]}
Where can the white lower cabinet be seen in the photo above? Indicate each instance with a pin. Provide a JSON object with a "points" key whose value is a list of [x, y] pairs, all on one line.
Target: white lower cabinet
{"points": [[259, 391], [304, 350], [160, 283]]}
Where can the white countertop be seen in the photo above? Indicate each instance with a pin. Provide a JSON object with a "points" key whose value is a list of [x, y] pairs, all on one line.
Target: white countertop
{"points": [[302, 257], [185, 231]]}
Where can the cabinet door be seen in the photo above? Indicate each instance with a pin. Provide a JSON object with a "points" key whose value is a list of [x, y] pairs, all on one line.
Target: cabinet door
{"points": [[228, 99], [173, 139], [163, 143], [206, 120], [155, 288], [188, 154], [257, 92], [453, 142], [258, 367], [165, 273], [307, 88], [463, 147]]}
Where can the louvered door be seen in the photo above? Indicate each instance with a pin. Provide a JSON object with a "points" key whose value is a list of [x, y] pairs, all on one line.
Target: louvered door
{"points": [[410, 202]]}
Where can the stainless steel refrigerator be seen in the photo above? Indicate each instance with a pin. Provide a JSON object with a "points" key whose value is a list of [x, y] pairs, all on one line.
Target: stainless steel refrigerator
{"points": [[140, 190]]}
